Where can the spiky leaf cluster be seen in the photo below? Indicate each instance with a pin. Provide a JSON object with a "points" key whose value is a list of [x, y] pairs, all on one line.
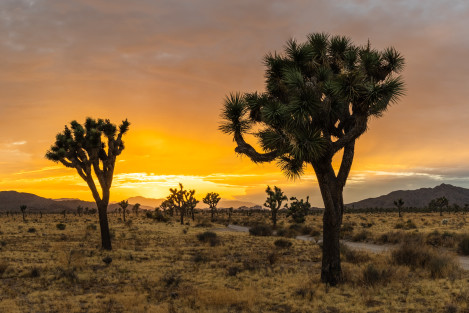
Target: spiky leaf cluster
{"points": [[93, 145], [318, 98], [298, 209]]}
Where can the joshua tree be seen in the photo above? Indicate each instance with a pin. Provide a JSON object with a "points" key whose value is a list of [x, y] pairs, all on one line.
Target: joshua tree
{"points": [[167, 205], [439, 203], [92, 148], [399, 204], [190, 202], [79, 210], [124, 204], [182, 200], [212, 199], [136, 208], [320, 96], [230, 212], [298, 209], [23, 211], [274, 202]]}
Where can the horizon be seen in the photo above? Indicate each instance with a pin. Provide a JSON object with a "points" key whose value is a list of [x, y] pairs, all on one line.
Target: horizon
{"points": [[168, 66]]}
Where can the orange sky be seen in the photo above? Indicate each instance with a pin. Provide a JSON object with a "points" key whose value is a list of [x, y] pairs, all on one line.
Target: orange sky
{"points": [[167, 65]]}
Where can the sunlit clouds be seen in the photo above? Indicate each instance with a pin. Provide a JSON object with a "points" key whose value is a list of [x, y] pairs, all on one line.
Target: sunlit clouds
{"points": [[167, 65]]}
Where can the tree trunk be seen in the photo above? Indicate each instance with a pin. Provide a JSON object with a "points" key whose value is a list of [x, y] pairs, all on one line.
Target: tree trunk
{"points": [[192, 213], [182, 216], [123, 214], [213, 215], [331, 191], [274, 217], [104, 226], [399, 208]]}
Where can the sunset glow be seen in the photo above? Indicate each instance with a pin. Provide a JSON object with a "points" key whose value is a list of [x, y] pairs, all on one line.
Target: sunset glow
{"points": [[167, 66]]}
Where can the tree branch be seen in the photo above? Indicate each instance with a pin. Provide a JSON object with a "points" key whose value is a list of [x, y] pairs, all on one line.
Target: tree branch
{"points": [[246, 149], [346, 164], [356, 131]]}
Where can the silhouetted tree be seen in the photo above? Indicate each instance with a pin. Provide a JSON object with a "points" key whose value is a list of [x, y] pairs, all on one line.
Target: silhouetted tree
{"points": [[182, 200], [399, 204], [136, 208], [167, 206], [124, 204], [190, 202], [212, 199], [274, 202], [439, 203], [92, 148], [23, 211], [319, 98], [79, 210], [298, 209]]}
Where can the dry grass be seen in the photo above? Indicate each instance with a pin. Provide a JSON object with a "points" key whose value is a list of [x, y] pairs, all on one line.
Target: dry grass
{"points": [[164, 267]]}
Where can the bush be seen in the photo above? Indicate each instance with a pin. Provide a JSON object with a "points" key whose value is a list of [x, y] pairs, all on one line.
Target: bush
{"points": [[412, 255], [283, 243], [463, 246], [353, 256], [261, 230], [361, 236], [91, 227], [442, 266], [31, 230], [209, 237], [373, 275], [234, 270], [204, 223], [60, 226]]}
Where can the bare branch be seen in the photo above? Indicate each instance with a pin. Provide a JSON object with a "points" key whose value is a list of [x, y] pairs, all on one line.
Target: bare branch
{"points": [[246, 149]]}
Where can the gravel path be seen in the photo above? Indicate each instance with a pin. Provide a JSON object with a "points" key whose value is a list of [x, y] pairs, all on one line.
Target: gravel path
{"points": [[463, 260]]}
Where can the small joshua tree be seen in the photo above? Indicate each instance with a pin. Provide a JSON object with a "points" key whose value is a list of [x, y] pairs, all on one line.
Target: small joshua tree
{"points": [[79, 210], [182, 200], [124, 204], [274, 202], [212, 199], [92, 149], [298, 209], [167, 206], [439, 203], [23, 211], [136, 208], [190, 202], [399, 204]]}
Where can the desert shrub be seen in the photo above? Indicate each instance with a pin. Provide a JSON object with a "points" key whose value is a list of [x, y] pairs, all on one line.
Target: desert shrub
{"points": [[261, 230], [31, 230], [60, 226], [447, 239], [199, 257], [91, 227], [347, 227], [361, 236], [413, 255], [463, 246], [410, 224], [171, 279], [149, 214], [3, 268], [128, 223], [209, 237], [306, 230], [283, 243], [373, 274], [34, 272], [204, 223], [442, 266], [287, 232], [315, 233], [353, 256], [234, 270]]}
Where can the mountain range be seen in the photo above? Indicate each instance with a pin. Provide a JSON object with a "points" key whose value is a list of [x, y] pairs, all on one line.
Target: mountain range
{"points": [[12, 200], [416, 198]]}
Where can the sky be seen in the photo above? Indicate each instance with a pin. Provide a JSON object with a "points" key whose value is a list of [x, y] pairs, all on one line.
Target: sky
{"points": [[167, 66]]}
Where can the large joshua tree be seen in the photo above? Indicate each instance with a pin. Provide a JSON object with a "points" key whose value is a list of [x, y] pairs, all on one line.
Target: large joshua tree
{"points": [[319, 97], [92, 149]]}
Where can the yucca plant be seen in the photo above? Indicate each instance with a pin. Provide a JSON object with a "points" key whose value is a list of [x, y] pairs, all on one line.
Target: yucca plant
{"points": [[319, 98]]}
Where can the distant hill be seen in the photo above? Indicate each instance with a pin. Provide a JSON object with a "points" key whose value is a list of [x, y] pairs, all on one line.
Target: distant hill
{"points": [[11, 201], [416, 198]]}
